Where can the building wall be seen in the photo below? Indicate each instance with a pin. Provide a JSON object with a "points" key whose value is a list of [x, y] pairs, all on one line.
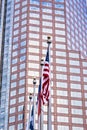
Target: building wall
{"points": [[6, 32], [66, 22]]}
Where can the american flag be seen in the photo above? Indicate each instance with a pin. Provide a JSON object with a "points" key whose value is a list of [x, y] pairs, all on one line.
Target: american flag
{"points": [[46, 79]]}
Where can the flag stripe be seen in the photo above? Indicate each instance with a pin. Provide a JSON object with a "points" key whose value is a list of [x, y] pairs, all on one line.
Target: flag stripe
{"points": [[46, 79]]}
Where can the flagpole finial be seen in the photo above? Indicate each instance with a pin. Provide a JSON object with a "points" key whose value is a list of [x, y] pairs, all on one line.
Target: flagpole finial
{"points": [[34, 80], [49, 40], [30, 96], [42, 62]]}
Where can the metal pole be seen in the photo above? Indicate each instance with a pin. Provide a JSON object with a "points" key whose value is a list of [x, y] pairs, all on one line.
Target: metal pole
{"points": [[49, 101], [30, 97], [28, 122], [34, 83], [41, 116]]}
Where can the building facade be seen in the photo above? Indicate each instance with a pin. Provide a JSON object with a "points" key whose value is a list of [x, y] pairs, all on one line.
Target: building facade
{"points": [[25, 25]]}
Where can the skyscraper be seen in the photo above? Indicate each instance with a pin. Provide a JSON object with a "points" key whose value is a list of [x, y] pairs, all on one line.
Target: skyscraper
{"points": [[25, 25]]}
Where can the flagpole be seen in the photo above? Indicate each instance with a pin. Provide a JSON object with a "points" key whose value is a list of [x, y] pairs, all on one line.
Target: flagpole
{"points": [[30, 97], [34, 83], [41, 116], [28, 122], [49, 101]]}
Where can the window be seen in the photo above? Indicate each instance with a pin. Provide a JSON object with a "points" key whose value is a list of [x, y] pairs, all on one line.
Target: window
{"points": [[17, 12], [34, 2], [21, 82], [21, 99], [24, 9], [23, 36], [75, 86], [62, 110], [45, 23], [60, 39], [74, 62], [47, 17], [62, 119], [33, 8], [16, 19], [22, 58], [21, 90], [17, 1], [14, 68], [62, 127], [13, 93], [24, 22], [60, 46], [61, 76], [12, 110], [23, 43], [75, 70], [34, 15], [36, 22], [33, 28], [16, 25], [33, 35], [11, 119], [60, 32], [24, 15], [61, 53], [46, 10], [17, 6], [15, 39], [59, 25], [20, 126], [12, 127], [12, 101], [14, 76], [14, 61], [77, 111], [47, 4], [24, 3], [77, 120], [13, 85], [22, 50], [34, 50], [75, 78], [76, 94], [61, 84], [62, 93], [76, 103], [22, 74], [73, 55], [20, 108], [62, 101], [60, 12], [22, 66], [15, 53], [34, 58], [60, 61], [23, 29], [20, 117], [77, 128]]}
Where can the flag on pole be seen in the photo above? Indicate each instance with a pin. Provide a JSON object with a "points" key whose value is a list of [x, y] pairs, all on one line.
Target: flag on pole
{"points": [[46, 79], [39, 99], [31, 127]]}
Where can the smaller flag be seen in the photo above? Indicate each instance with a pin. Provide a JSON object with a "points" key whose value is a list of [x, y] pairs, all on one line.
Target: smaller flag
{"points": [[32, 119], [39, 98]]}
